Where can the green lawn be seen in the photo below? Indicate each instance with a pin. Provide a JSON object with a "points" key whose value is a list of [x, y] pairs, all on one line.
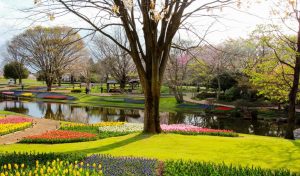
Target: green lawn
{"points": [[247, 150], [166, 103]]}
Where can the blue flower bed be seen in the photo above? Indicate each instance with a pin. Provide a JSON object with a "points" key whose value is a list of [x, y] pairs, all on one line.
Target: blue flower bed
{"points": [[123, 166]]}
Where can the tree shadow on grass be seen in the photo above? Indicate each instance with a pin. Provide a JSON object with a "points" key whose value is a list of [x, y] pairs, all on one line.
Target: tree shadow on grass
{"points": [[138, 137]]}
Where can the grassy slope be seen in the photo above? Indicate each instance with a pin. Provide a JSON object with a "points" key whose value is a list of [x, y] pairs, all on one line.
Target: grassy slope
{"points": [[248, 150]]}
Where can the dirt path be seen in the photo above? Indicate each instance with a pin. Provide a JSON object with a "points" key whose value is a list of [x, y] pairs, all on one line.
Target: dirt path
{"points": [[40, 126]]}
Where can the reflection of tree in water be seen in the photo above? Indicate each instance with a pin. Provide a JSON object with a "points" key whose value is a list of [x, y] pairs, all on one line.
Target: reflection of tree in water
{"points": [[49, 112], [267, 128], [17, 107], [122, 117], [59, 115]]}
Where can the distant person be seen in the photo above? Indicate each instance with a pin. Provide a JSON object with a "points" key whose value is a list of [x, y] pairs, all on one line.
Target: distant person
{"points": [[101, 89], [86, 90], [22, 87]]}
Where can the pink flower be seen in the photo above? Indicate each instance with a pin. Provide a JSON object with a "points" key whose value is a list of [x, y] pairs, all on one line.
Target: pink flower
{"points": [[14, 119], [191, 128]]}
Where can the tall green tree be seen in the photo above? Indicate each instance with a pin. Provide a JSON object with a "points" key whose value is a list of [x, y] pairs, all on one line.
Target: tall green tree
{"points": [[15, 70]]}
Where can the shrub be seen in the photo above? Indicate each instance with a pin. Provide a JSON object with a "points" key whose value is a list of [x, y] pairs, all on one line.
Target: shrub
{"points": [[204, 95], [76, 91], [190, 168], [59, 136], [124, 166], [232, 94]]}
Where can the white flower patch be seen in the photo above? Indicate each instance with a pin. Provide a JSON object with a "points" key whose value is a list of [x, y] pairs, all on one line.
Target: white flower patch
{"points": [[127, 127]]}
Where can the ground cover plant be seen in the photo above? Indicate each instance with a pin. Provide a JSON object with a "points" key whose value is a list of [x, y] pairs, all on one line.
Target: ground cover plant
{"points": [[59, 136], [14, 123]]}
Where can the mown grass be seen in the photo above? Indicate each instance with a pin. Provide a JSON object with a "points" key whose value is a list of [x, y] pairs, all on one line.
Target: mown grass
{"points": [[247, 150]]}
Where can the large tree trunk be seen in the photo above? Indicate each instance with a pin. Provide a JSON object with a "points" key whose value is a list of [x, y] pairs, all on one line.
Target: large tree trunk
{"points": [[49, 85], [151, 114], [20, 80]]}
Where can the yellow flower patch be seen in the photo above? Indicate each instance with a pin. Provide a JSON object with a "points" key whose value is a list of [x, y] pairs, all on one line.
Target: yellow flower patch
{"points": [[12, 127], [28, 94], [100, 124]]}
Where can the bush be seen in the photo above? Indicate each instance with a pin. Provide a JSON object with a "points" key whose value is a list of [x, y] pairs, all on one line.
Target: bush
{"points": [[76, 91], [190, 168], [204, 95], [232, 94]]}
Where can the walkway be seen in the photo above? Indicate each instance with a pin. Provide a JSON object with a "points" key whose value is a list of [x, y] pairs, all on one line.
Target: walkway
{"points": [[189, 99], [39, 126]]}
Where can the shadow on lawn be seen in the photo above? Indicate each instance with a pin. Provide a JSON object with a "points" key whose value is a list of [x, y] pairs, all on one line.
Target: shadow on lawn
{"points": [[115, 145]]}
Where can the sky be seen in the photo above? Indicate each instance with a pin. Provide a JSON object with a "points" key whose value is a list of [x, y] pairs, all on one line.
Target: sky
{"points": [[234, 24]]}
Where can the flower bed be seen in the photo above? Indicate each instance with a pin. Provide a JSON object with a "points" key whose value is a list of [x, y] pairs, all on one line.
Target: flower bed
{"points": [[100, 124], [59, 136], [14, 119], [55, 167], [56, 97], [8, 93], [27, 94], [12, 124], [194, 130], [127, 127], [223, 108], [93, 128], [121, 166]]}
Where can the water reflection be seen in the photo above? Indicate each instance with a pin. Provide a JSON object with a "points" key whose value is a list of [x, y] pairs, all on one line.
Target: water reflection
{"points": [[87, 114]]}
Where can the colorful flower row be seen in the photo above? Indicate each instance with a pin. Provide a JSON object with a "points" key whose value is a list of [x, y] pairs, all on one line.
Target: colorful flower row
{"points": [[56, 97], [176, 128], [194, 130], [27, 94], [224, 108], [59, 136], [14, 119], [127, 127], [56, 167], [13, 127], [100, 124]]}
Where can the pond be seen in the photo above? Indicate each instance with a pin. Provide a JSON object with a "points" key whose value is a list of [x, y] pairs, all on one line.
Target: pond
{"points": [[87, 114]]}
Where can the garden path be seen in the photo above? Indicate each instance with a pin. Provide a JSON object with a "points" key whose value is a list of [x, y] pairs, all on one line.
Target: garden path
{"points": [[39, 126], [189, 99]]}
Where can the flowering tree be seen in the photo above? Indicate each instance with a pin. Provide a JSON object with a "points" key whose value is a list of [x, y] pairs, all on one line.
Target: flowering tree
{"points": [[150, 26]]}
